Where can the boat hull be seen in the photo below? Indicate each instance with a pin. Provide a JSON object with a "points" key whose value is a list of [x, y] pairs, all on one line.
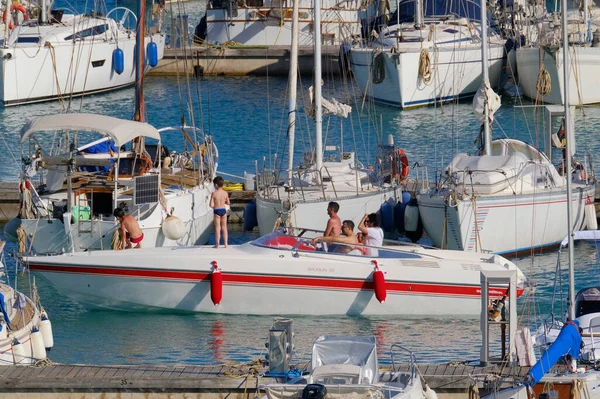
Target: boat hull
{"points": [[257, 280], [191, 207], [583, 78], [34, 74], [312, 214], [528, 221], [456, 73]]}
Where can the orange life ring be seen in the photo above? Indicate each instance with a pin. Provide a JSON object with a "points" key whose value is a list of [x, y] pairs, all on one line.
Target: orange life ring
{"points": [[16, 7], [400, 166]]}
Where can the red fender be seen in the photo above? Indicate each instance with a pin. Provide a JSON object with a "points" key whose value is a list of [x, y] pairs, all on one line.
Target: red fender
{"points": [[379, 283], [216, 284]]}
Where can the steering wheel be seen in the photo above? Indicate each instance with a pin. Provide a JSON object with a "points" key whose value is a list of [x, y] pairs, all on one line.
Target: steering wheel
{"points": [[126, 13]]}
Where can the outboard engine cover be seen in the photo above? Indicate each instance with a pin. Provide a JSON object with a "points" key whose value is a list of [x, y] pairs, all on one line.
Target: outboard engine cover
{"points": [[314, 391]]}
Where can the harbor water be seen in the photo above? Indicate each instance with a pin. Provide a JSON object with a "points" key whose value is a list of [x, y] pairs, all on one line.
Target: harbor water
{"points": [[248, 120]]}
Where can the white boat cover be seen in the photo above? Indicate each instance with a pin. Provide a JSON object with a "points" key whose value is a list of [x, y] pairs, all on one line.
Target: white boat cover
{"points": [[486, 174], [592, 235], [359, 351], [120, 130]]}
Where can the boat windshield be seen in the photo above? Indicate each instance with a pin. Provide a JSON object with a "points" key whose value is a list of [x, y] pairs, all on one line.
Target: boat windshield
{"points": [[281, 241]]}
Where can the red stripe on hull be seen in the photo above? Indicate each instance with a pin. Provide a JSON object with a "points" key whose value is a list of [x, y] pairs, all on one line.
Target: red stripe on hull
{"points": [[393, 287]]}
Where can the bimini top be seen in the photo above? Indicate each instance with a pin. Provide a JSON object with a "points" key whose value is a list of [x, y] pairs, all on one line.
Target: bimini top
{"points": [[120, 130], [355, 350]]}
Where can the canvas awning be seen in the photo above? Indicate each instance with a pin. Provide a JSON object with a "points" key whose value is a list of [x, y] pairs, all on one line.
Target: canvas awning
{"points": [[120, 130]]}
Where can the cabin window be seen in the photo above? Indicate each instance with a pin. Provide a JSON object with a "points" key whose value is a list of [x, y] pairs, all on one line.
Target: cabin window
{"points": [[94, 31], [28, 39]]}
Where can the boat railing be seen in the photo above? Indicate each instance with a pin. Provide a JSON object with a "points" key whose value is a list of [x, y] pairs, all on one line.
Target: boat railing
{"points": [[397, 350]]}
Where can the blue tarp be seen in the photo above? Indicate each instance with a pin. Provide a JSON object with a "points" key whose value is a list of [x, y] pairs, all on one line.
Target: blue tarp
{"points": [[3, 308], [465, 9], [568, 342], [100, 148]]}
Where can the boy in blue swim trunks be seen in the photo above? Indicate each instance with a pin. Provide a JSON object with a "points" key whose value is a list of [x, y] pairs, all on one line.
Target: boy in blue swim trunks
{"points": [[219, 199]]}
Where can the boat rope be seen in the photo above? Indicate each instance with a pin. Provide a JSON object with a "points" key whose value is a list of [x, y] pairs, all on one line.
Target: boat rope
{"points": [[580, 386], [378, 66], [22, 239], [473, 391], [43, 363], [544, 82], [53, 56], [425, 72]]}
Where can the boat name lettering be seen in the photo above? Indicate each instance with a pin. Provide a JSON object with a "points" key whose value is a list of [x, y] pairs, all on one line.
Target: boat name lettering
{"points": [[321, 269]]}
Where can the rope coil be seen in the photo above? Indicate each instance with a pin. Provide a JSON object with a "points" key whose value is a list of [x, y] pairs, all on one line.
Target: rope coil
{"points": [[544, 82], [425, 72]]}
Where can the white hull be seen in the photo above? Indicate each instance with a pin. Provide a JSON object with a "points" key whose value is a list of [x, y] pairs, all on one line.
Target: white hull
{"points": [[267, 280], [455, 72], [312, 214], [250, 29], [22, 334], [191, 207], [583, 79], [270, 23], [461, 227], [34, 72]]}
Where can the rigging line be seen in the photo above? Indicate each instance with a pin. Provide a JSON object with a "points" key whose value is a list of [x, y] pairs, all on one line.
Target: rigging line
{"points": [[178, 79]]}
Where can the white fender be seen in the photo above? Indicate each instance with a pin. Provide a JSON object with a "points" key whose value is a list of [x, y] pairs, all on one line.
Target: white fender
{"points": [[173, 228], [37, 344], [46, 330], [18, 352]]}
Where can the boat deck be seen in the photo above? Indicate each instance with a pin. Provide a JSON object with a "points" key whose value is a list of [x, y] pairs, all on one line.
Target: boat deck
{"points": [[227, 380]]}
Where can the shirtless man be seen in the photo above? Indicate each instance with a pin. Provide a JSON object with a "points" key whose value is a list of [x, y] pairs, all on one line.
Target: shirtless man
{"points": [[130, 230], [334, 224], [348, 238], [218, 201]]}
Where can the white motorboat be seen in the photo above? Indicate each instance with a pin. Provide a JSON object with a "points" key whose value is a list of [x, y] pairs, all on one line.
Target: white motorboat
{"points": [[269, 22], [276, 274], [347, 366], [428, 60], [25, 330], [74, 212], [65, 55]]}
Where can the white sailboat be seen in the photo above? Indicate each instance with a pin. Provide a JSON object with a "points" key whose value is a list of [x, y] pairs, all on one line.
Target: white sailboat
{"points": [[60, 55], [434, 58], [167, 193], [25, 330], [482, 200], [270, 22], [576, 382], [300, 198], [540, 65]]}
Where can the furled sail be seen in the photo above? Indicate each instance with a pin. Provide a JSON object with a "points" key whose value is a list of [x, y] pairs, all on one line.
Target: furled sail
{"points": [[333, 107]]}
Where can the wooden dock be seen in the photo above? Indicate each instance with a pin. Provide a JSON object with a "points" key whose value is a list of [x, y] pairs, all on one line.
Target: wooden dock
{"points": [[236, 381], [243, 60]]}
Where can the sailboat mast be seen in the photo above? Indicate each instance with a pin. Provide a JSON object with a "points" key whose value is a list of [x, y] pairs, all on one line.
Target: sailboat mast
{"points": [[317, 85], [485, 78], [567, 160], [140, 109], [293, 79]]}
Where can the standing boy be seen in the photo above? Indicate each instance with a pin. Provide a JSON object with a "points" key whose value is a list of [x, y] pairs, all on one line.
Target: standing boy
{"points": [[219, 199]]}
